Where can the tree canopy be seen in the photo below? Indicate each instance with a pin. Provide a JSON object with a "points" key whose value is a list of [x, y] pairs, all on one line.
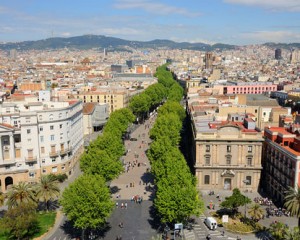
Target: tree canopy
{"points": [[87, 202]]}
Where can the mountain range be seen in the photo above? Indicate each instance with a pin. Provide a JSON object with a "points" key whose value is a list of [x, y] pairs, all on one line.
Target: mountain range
{"points": [[112, 43]]}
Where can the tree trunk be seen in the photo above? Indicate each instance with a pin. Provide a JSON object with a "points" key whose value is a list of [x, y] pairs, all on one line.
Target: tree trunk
{"points": [[298, 222]]}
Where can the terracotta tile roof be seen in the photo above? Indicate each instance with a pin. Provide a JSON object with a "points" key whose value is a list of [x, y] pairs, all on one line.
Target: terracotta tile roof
{"points": [[88, 108], [7, 125]]}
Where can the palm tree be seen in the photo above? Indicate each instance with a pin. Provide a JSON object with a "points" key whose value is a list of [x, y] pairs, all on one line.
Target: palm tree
{"points": [[278, 230], [47, 189], [21, 193], [292, 234], [292, 202], [256, 212]]}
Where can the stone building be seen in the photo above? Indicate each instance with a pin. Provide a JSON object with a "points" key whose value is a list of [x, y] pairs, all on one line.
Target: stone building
{"points": [[226, 155]]}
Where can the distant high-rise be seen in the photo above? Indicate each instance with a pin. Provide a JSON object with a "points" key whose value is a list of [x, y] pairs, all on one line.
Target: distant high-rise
{"points": [[13, 53], [104, 52], [208, 60], [278, 54], [295, 56]]}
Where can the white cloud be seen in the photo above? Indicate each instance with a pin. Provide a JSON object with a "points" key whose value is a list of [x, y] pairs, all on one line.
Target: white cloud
{"points": [[154, 7], [272, 5], [271, 36]]}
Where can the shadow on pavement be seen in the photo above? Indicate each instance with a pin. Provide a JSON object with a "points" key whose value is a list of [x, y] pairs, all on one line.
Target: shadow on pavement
{"points": [[154, 220]]}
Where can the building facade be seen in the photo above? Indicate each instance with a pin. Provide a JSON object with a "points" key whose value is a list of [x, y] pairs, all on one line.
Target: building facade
{"points": [[227, 155], [38, 138], [281, 161]]}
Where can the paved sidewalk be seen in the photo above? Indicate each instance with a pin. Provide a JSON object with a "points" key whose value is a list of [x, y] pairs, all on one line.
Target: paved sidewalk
{"points": [[134, 181]]}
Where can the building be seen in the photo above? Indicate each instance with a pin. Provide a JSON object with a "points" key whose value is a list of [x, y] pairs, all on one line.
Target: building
{"points": [[38, 138], [95, 116], [295, 56], [278, 54], [208, 60], [116, 97], [226, 155], [281, 159]]}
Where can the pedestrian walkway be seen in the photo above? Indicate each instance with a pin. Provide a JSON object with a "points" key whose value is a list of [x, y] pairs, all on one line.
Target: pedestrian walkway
{"points": [[136, 179]]}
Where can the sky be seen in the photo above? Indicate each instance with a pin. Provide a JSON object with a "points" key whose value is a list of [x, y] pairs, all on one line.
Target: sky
{"points": [[238, 22]]}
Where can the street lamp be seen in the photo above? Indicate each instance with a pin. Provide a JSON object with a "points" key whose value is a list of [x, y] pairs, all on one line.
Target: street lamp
{"points": [[246, 181]]}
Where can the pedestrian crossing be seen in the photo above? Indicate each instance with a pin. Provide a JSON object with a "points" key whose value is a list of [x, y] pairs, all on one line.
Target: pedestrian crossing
{"points": [[200, 232]]}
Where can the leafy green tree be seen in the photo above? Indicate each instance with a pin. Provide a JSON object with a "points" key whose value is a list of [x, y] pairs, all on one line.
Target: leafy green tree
{"points": [[140, 105], [167, 126], [278, 230], [99, 162], [109, 142], [47, 189], [292, 234], [159, 148], [235, 200], [21, 193], [177, 199], [172, 107], [175, 93], [21, 221], [292, 202], [87, 202], [256, 212]]}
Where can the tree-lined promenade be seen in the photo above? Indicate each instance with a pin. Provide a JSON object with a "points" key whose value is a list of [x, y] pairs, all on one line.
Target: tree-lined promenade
{"points": [[88, 202]]}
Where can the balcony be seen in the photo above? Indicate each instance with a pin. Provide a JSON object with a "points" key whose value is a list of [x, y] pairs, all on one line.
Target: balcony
{"points": [[30, 159], [53, 154], [65, 151]]}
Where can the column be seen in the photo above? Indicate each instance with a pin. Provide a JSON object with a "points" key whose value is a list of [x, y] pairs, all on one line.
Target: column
{"points": [[12, 147]]}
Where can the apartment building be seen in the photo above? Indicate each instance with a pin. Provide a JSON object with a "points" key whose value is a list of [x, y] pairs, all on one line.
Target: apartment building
{"points": [[281, 159], [117, 98], [38, 138], [226, 155]]}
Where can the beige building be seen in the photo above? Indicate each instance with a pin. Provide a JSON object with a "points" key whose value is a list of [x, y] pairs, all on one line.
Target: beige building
{"points": [[117, 98], [226, 155]]}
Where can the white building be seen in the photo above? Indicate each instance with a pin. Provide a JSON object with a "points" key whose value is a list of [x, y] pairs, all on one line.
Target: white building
{"points": [[38, 138]]}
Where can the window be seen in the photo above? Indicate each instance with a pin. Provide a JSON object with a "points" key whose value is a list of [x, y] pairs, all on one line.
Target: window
{"points": [[249, 161], [206, 179], [53, 159], [52, 137], [40, 117], [27, 120], [255, 110], [43, 160], [41, 129], [30, 164], [51, 117], [28, 131], [207, 148], [42, 149], [264, 113], [249, 149], [207, 160], [54, 169], [42, 138], [60, 115], [228, 160], [248, 180], [60, 125], [51, 127], [228, 148], [63, 167], [44, 170]]}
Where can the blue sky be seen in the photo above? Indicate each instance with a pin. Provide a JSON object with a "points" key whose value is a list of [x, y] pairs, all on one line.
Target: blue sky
{"points": [[227, 21]]}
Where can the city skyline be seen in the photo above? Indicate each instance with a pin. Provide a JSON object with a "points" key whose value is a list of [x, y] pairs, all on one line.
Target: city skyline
{"points": [[238, 22]]}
